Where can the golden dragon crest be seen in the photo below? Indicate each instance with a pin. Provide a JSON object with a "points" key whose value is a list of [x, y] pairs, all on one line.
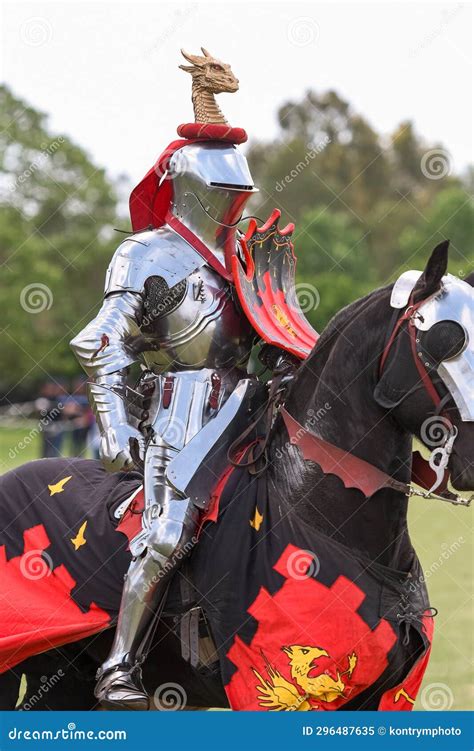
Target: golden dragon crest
{"points": [[277, 694], [210, 76]]}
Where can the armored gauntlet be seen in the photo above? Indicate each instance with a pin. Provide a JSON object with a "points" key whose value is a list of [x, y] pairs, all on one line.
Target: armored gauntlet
{"points": [[105, 349], [117, 434]]}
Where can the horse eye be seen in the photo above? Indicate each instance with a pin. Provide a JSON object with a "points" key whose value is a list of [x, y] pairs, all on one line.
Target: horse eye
{"points": [[444, 340]]}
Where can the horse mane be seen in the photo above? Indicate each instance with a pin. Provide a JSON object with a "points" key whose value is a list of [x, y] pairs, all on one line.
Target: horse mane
{"points": [[330, 335], [346, 315]]}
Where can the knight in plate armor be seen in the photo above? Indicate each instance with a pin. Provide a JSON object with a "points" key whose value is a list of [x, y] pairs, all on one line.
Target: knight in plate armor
{"points": [[170, 304]]}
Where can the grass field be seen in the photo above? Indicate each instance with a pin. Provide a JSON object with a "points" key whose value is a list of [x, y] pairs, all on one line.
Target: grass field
{"points": [[442, 536]]}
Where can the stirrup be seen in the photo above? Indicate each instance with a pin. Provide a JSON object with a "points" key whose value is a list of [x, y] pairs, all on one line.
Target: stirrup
{"points": [[120, 687]]}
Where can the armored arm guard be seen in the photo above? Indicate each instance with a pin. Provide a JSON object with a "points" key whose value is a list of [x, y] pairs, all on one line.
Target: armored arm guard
{"points": [[113, 340], [106, 348]]}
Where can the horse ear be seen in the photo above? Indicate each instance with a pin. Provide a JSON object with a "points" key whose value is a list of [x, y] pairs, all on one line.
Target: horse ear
{"points": [[430, 280], [470, 279]]}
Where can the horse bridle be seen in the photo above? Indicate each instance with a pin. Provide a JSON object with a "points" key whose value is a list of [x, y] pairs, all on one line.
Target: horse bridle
{"points": [[440, 455]]}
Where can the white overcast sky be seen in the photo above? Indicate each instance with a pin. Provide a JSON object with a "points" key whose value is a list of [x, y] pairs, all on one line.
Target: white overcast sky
{"points": [[107, 72]]}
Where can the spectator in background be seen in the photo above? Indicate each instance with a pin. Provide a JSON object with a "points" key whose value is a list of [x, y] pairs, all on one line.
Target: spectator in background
{"points": [[79, 414], [50, 405]]}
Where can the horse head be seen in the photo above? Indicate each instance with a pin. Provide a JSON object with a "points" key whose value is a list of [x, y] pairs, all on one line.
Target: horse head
{"points": [[427, 374]]}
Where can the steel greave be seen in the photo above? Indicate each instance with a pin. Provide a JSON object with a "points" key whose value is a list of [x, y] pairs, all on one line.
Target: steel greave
{"points": [[147, 582]]}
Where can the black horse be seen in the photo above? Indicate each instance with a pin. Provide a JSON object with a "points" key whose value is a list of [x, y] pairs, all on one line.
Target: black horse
{"points": [[237, 612]]}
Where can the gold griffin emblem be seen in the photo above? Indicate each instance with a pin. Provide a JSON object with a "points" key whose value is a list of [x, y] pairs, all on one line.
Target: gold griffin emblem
{"points": [[277, 694]]}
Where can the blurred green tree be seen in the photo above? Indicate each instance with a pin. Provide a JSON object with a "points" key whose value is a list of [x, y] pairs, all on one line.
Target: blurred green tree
{"points": [[382, 202], [451, 216], [55, 243], [332, 254]]}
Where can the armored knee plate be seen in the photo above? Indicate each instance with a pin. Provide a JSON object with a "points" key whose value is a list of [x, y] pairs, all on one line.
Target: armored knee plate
{"points": [[171, 535]]}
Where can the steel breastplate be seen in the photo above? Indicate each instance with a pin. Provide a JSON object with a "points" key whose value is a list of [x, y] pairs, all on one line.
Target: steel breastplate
{"points": [[194, 324]]}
